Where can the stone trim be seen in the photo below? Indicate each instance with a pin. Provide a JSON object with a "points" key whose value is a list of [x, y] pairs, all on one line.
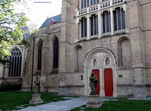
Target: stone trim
{"points": [[124, 85], [54, 71], [71, 86], [139, 85], [66, 43], [71, 72], [51, 87], [53, 33], [68, 2], [103, 36], [130, 68], [37, 73], [148, 85], [143, 30], [25, 88], [139, 2], [13, 77], [124, 68], [67, 22]]}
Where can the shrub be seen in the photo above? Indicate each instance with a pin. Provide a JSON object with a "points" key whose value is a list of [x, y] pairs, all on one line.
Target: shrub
{"points": [[9, 87]]}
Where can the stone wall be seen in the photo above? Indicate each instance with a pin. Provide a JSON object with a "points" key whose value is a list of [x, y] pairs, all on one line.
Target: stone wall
{"points": [[134, 74]]}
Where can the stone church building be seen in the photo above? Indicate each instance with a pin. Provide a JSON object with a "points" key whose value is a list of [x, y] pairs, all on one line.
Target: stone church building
{"points": [[112, 38]]}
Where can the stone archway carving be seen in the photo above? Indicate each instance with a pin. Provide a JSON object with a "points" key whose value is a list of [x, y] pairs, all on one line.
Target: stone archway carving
{"points": [[100, 54]]}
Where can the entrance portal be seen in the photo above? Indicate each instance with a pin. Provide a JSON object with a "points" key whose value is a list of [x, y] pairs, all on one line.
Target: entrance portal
{"points": [[102, 62], [97, 73]]}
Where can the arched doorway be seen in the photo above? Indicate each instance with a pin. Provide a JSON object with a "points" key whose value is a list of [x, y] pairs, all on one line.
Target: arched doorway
{"points": [[102, 62]]}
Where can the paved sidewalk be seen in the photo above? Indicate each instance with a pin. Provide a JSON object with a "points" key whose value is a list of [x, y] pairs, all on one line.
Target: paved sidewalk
{"points": [[66, 105]]}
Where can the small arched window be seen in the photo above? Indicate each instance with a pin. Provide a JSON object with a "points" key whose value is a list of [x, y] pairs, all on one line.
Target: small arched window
{"points": [[55, 53], [107, 61], [94, 62], [15, 63], [39, 64]]}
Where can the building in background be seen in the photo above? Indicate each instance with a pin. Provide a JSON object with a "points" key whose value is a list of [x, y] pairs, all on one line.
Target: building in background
{"points": [[109, 37], [11, 72]]}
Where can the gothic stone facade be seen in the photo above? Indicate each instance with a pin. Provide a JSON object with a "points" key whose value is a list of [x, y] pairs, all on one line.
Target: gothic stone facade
{"points": [[11, 72], [109, 37]]}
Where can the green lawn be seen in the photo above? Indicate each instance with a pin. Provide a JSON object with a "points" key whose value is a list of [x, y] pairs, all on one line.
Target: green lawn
{"points": [[16, 99], [121, 105]]}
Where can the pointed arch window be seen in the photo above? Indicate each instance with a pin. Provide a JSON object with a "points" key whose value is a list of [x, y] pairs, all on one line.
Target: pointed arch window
{"points": [[119, 19], [55, 53], [106, 22], [94, 24], [39, 64], [15, 63], [83, 27], [92, 2], [79, 58], [124, 53], [86, 3]]}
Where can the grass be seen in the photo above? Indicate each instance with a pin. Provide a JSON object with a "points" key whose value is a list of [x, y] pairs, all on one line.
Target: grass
{"points": [[16, 99], [121, 105]]}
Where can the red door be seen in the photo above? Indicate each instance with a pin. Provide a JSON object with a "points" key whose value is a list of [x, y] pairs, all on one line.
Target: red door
{"points": [[108, 82], [97, 73]]}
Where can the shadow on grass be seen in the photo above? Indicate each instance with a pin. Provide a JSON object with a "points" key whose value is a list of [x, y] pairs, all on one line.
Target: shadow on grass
{"points": [[15, 100], [121, 105]]}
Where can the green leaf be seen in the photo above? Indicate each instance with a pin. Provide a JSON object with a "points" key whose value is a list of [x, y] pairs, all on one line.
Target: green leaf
{"points": [[11, 24]]}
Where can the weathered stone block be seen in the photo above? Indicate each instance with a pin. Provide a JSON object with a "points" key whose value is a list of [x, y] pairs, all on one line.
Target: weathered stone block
{"points": [[36, 99], [94, 102], [139, 92]]}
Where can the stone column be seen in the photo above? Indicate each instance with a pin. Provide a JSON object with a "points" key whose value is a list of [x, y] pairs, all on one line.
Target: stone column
{"points": [[99, 25], [67, 37], [45, 62], [137, 47], [78, 29], [6, 72], [112, 21], [79, 4], [1, 70], [139, 80], [86, 82], [88, 27]]}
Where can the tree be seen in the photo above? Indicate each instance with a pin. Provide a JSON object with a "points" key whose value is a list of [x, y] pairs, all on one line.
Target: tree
{"points": [[11, 24]]}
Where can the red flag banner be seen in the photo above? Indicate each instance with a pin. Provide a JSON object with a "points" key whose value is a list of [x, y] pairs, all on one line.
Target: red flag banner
{"points": [[52, 21]]}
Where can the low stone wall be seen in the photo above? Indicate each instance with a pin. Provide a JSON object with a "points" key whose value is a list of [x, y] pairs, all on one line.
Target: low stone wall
{"points": [[71, 84], [124, 90], [13, 81], [71, 90], [149, 91]]}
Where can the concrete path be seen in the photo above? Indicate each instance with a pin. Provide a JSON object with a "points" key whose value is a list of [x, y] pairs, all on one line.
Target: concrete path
{"points": [[66, 105]]}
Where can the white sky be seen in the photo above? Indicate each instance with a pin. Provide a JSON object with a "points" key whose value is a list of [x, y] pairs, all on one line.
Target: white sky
{"points": [[38, 12]]}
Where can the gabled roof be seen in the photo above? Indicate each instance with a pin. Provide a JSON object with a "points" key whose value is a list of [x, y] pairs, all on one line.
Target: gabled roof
{"points": [[26, 35], [51, 21]]}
